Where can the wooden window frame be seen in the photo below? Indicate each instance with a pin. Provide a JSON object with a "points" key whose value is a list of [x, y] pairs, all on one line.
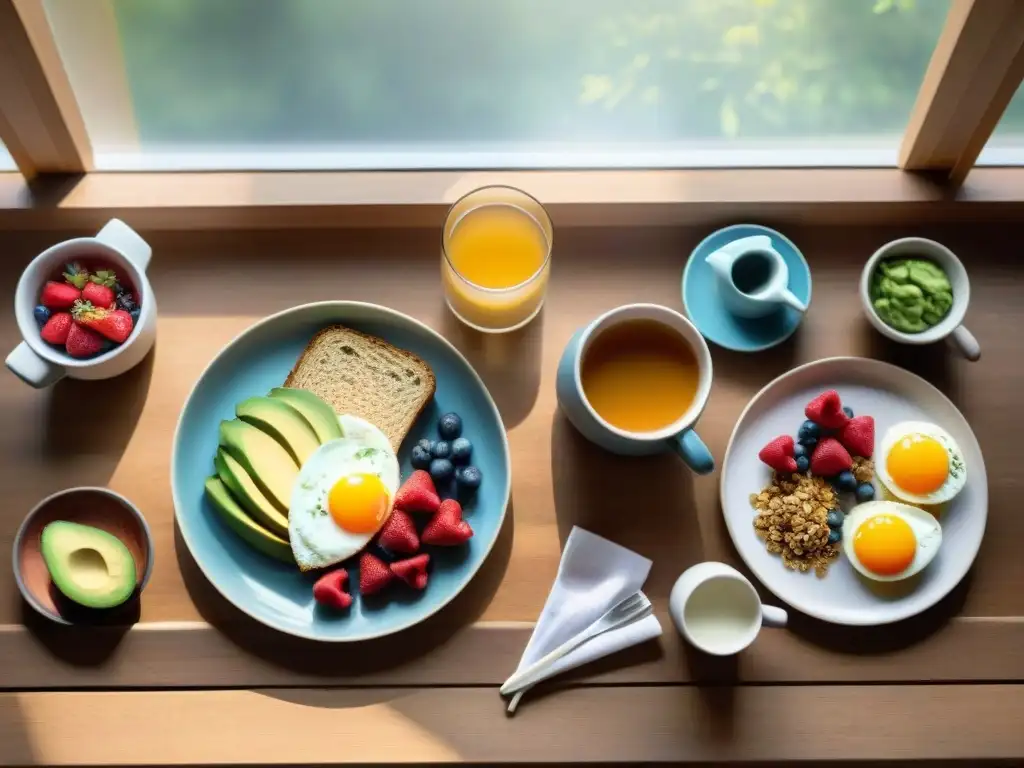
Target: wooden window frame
{"points": [[977, 64]]}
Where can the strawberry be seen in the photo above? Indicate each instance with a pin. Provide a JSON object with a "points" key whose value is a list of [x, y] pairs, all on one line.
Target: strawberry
{"points": [[98, 295], [447, 528], [826, 411], [778, 454], [830, 458], [57, 327], [399, 534], [82, 342], [418, 494], [858, 436], [329, 590], [114, 324], [374, 574], [75, 274], [59, 295], [412, 571]]}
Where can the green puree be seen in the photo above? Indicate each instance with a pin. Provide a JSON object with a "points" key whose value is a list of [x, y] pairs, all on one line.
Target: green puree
{"points": [[911, 295]]}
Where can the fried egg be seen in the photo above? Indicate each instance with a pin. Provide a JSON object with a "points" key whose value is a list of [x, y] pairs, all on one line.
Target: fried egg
{"points": [[342, 495], [889, 541], [920, 463]]}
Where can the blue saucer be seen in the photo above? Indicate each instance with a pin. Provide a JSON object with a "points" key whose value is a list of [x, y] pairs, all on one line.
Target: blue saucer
{"points": [[714, 321]]}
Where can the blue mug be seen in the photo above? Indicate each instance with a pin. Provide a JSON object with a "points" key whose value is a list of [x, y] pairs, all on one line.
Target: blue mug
{"points": [[678, 436]]}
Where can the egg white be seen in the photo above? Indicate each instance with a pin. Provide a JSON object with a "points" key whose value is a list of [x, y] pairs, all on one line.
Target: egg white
{"points": [[957, 469], [317, 540], [926, 528]]}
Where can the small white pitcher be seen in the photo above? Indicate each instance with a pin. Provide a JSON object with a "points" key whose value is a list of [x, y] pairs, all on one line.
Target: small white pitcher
{"points": [[37, 363], [753, 278]]}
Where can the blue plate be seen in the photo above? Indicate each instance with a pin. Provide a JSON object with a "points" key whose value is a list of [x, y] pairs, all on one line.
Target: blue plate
{"points": [[280, 596], [714, 321]]}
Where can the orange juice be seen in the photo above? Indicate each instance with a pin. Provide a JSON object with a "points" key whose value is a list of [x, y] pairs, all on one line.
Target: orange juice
{"points": [[495, 258]]}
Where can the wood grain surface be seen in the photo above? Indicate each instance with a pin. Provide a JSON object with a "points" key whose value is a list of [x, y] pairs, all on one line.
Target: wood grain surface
{"points": [[212, 285]]}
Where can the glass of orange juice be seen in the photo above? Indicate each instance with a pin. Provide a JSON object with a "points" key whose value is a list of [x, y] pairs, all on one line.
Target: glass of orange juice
{"points": [[495, 258]]}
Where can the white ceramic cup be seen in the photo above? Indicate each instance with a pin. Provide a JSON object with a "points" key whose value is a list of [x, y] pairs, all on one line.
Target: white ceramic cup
{"points": [[951, 327], [39, 364], [718, 611]]}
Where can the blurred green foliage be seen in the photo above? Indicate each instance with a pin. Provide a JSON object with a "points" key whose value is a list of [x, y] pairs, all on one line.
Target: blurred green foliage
{"points": [[399, 71]]}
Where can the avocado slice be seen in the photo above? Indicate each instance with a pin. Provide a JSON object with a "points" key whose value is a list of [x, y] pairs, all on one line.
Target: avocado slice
{"points": [[251, 533], [320, 415], [248, 494], [92, 567], [281, 422], [268, 464]]}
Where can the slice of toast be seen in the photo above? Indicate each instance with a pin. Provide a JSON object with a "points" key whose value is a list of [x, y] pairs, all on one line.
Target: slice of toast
{"points": [[367, 377]]}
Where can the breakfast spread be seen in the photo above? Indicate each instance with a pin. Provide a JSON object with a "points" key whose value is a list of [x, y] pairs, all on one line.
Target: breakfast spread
{"points": [[309, 474], [86, 311], [89, 566], [911, 295]]}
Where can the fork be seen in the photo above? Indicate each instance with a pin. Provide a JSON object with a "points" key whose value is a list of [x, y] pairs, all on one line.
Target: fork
{"points": [[633, 608]]}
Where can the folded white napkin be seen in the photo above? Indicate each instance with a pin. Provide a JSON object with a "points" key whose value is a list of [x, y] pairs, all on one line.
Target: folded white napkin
{"points": [[594, 575]]}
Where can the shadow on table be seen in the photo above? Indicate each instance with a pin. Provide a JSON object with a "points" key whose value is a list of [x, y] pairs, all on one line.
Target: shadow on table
{"points": [[755, 369], [646, 504], [509, 363], [91, 641], [354, 659], [932, 362]]}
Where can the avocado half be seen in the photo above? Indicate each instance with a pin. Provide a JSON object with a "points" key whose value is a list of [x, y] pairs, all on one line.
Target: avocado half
{"points": [[89, 566]]}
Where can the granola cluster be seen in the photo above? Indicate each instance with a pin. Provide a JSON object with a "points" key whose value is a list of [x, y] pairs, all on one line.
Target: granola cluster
{"points": [[792, 518]]}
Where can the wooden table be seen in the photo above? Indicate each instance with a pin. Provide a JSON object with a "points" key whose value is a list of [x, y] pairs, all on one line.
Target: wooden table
{"points": [[196, 682]]}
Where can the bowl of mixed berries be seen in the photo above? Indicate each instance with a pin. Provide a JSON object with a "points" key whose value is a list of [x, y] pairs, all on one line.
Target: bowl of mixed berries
{"points": [[86, 310]]}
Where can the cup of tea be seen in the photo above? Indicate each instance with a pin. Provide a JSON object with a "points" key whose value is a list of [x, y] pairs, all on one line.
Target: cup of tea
{"points": [[718, 611], [635, 380]]}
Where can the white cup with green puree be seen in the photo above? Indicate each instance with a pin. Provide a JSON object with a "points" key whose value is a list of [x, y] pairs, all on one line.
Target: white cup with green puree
{"points": [[916, 291]]}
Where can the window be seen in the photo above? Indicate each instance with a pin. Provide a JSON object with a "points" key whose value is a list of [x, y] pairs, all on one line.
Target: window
{"points": [[6, 161], [494, 83], [1006, 147]]}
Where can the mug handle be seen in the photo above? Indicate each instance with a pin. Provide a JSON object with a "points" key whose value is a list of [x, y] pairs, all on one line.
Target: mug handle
{"points": [[965, 343], [692, 450], [774, 617], [24, 363], [123, 238]]}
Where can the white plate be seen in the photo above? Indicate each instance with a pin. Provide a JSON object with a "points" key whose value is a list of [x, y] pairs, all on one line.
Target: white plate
{"points": [[890, 395]]}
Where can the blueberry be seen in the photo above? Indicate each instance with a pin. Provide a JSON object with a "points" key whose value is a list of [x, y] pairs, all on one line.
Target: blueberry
{"points": [[835, 518], [135, 316], [462, 449], [809, 429], [808, 443], [442, 449], [845, 481], [835, 535], [421, 457], [41, 314], [848, 411], [441, 471], [865, 492], [426, 444], [800, 450], [469, 478], [126, 302], [449, 426], [802, 463]]}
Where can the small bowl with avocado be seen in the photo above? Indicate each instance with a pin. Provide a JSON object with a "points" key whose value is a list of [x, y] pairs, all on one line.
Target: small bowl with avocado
{"points": [[83, 556], [916, 291]]}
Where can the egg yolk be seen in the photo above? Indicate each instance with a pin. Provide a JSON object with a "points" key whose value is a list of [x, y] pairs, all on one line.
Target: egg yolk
{"points": [[885, 544], [918, 464], [358, 503]]}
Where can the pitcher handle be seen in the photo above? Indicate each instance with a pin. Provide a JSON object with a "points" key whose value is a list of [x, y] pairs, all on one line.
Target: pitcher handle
{"points": [[774, 617], [123, 238], [692, 450]]}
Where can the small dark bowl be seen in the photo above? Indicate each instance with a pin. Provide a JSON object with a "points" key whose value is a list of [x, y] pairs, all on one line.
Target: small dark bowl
{"points": [[100, 508]]}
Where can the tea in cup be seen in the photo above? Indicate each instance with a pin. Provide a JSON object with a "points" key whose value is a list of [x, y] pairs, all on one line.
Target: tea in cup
{"points": [[636, 380], [718, 611]]}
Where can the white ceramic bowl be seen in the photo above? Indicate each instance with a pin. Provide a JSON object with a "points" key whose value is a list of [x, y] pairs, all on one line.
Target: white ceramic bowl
{"points": [[952, 324]]}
